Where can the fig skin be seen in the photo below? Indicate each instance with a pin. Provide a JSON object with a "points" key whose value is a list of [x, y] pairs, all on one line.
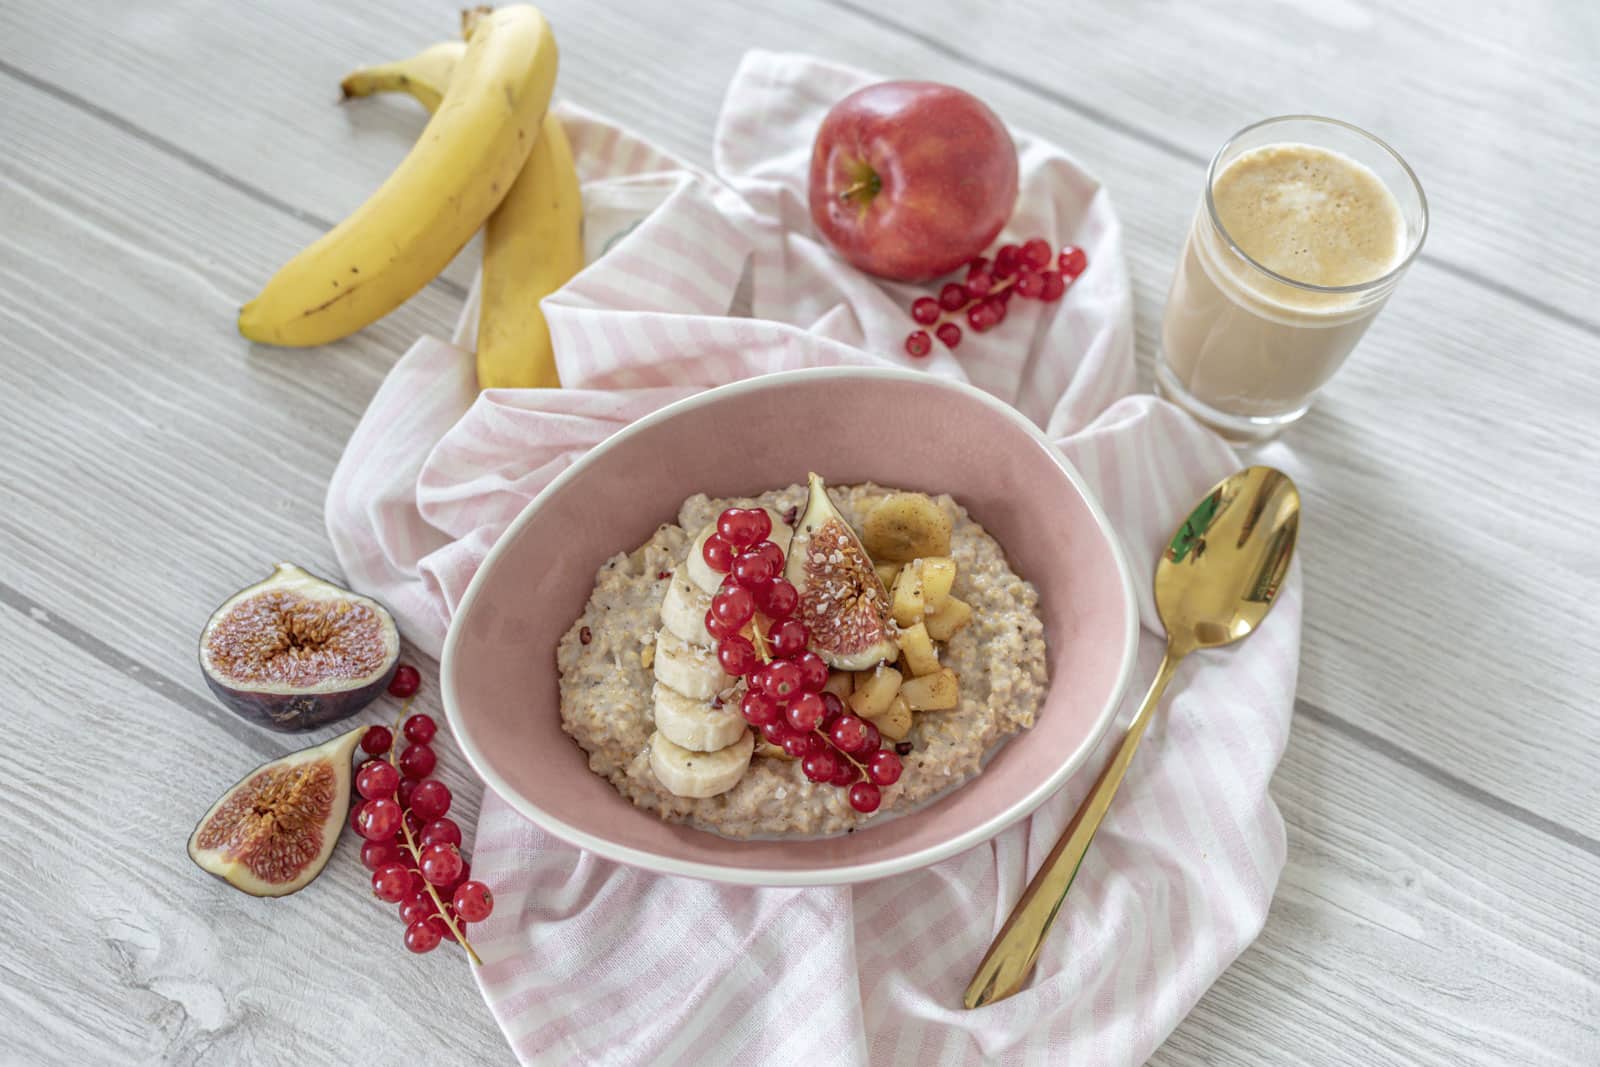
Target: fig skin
{"points": [[289, 709], [840, 651], [336, 753]]}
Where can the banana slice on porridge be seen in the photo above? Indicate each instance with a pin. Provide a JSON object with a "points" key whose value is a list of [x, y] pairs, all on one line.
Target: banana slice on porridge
{"points": [[697, 725], [683, 610], [699, 774], [692, 670]]}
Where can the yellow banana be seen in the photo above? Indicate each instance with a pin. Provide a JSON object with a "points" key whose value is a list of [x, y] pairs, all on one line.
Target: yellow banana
{"points": [[532, 246], [425, 75], [458, 172]]}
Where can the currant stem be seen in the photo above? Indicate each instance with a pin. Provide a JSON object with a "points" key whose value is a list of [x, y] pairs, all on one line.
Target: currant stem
{"points": [[416, 853], [760, 642]]}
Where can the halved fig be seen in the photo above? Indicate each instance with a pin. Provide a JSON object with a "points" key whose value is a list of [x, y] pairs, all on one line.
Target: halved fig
{"points": [[842, 600], [273, 831], [295, 653]]}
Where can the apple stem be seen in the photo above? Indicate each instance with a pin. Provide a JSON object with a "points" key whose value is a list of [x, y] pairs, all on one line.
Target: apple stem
{"points": [[870, 185]]}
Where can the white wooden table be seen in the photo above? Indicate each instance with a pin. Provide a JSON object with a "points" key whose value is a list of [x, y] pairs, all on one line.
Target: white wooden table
{"points": [[1441, 902]]}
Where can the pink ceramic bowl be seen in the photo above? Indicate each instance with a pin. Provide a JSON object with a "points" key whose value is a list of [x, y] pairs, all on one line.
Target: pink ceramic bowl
{"points": [[897, 428]]}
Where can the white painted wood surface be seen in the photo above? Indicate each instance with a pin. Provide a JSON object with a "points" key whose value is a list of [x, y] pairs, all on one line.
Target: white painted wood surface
{"points": [[1440, 902]]}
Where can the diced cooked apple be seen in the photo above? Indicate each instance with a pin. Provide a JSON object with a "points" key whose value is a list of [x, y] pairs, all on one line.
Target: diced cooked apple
{"points": [[916, 648], [906, 598], [840, 684], [874, 691], [938, 575], [951, 616], [895, 721], [887, 572], [933, 692]]}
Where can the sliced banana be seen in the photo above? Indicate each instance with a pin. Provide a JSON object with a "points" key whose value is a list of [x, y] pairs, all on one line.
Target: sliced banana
{"points": [[700, 571], [904, 527], [690, 669], [683, 610], [699, 774], [696, 724]]}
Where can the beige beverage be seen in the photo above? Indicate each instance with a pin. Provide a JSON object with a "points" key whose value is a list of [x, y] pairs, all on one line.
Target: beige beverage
{"points": [[1289, 258]]}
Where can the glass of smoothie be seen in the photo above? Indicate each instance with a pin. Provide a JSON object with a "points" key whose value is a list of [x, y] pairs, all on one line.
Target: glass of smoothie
{"points": [[1306, 226]]}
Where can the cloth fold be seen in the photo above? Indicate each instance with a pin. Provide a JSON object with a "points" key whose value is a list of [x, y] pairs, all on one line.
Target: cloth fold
{"points": [[587, 961]]}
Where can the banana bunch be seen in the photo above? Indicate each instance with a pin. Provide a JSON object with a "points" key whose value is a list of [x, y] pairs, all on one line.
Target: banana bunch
{"points": [[490, 156]]}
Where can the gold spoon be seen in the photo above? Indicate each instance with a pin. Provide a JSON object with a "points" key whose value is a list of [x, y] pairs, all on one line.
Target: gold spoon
{"points": [[1216, 581]]}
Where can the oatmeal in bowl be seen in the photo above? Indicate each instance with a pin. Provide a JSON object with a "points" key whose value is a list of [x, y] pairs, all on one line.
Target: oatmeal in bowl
{"points": [[802, 662]]}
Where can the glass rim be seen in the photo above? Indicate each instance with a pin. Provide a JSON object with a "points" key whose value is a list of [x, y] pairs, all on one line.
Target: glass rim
{"points": [[1362, 287]]}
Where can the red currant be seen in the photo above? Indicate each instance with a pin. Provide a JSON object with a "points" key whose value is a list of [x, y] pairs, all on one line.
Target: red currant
{"points": [[782, 679], [884, 767], [1030, 284], [1072, 261], [873, 738], [440, 864], [953, 296], [733, 605], [813, 671], [794, 745], [376, 740], [430, 800], [949, 333], [833, 707], [805, 712], [376, 779], [1053, 286], [846, 774], [744, 526], [979, 281], [378, 819], [421, 936], [473, 901], [788, 638], [752, 569], [439, 832], [442, 928], [776, 731], [391, 883], [417, 761], [717, 628], [777, 599], [1006, 260], [849, 733], [403, 792], [918, 344], [819, 766], [466, 872], [865, 797], [998, 308], [375, 854], [355, 818], [758, 708], [737, 656], [416, 907], [420, 728], [982, 318], [406, 681], [925, 309], [1036, 253], [717, 553]]}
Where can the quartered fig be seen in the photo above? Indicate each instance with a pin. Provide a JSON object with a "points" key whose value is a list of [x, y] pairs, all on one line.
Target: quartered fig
{"points": [[295, 652], [842, 600], [273, 831]]}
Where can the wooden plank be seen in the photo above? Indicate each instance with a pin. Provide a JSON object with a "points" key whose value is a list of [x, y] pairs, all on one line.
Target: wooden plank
{"points": [[1395, 494], [117, 949]]}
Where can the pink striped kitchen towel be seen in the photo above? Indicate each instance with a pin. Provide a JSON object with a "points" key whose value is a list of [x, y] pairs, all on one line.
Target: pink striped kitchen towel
{"points": [[587, 961]]}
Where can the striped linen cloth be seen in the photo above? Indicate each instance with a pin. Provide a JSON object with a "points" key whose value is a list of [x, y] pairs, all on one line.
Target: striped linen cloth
{"points": [[587, 961]]}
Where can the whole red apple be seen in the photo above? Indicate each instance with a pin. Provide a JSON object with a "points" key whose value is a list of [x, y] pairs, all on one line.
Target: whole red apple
{"points": [[909, 180]]}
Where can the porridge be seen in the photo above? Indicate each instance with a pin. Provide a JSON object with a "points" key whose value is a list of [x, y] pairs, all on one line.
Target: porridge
{"points": [[849, 673]]}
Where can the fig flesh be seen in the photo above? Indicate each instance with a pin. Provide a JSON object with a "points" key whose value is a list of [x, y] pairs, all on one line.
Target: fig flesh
{"points": [[295, 653], [842, 600], [272, 832]]}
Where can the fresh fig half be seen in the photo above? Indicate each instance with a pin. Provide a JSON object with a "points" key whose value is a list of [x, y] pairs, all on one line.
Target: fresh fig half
{"points": [[295, 653], [842, 601], [273, 831]]}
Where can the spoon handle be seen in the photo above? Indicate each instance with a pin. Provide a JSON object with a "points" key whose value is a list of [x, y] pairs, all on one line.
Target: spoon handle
{"points": [[1012, 954]]}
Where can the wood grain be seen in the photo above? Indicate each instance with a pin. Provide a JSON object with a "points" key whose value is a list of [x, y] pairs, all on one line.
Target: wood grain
{"points": [[1443, 810]]}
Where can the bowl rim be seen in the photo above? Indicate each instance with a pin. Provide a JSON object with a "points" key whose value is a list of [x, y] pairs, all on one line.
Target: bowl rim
{"points": [[776, 877]]}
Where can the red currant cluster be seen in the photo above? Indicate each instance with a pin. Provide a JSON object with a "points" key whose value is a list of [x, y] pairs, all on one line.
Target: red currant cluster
{"points": [[1017, 270], [784, 682], [411, 848]]}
